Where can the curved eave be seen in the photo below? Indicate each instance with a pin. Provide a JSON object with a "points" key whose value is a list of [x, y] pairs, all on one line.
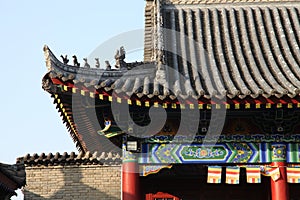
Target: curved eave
{"points": [[64, 89], [78, 115], [65, 111]]}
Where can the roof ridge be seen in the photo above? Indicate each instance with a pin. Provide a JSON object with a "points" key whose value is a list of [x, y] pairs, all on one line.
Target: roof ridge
{"points": [[95, 158], [220, 1]]}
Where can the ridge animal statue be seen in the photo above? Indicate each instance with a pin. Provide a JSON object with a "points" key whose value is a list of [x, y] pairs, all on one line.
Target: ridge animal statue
{"points": [[108, 66], [120, 57], [75, 61], [86, 64], [65, 59], [97, 65]]}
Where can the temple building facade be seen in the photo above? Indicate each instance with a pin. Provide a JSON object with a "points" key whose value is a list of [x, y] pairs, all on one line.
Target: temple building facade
{"points": [[212, 112]]}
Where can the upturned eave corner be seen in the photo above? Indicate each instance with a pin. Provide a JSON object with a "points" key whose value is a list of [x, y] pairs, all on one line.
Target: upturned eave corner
{"points": [[47, 57]]}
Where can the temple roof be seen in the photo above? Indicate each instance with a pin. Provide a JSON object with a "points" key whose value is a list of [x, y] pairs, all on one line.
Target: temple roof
{"points": [[88, 158], [247, 51], [12, 177], [238, 51]]}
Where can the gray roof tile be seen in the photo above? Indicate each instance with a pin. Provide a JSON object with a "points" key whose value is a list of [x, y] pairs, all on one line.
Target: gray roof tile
{"points": [[95, 158]]}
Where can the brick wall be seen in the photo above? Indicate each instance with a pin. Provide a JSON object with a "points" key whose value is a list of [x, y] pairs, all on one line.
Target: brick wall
{"points": [[73, 182]]}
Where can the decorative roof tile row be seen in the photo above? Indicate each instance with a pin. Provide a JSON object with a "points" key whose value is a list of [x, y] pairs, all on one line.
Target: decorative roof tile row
{"points": [[87, 158], [186, 2]]}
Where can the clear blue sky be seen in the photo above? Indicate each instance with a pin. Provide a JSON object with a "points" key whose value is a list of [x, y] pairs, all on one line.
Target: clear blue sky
{"points": [[29, 121]]}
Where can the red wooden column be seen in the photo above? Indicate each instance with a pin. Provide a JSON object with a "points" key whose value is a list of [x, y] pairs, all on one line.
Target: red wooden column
{"points": [[280, 187], [130, 177]]}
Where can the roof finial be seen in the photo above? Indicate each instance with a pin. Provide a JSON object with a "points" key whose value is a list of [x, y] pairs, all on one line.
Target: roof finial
{"points": [[120, 57]]}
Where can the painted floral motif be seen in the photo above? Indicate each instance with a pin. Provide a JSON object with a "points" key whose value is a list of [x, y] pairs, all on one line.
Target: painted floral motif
{"points": [[203, 153], [279, 152]]}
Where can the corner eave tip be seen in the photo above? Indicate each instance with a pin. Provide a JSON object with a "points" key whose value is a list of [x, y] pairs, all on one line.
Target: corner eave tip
{"points": [[45, 48], [47, 57]]}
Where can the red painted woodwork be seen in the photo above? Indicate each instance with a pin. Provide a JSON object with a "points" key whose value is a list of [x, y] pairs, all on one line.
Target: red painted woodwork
{"points": [[280, 188], [130, 181], [260, 100], [161, 196]]}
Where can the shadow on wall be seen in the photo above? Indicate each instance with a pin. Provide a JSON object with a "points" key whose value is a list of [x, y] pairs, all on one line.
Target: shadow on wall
{"points": [[73, 189]]}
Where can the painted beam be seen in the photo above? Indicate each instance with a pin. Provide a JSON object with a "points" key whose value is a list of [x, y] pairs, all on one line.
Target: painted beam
{"points": [[221, 153]]}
